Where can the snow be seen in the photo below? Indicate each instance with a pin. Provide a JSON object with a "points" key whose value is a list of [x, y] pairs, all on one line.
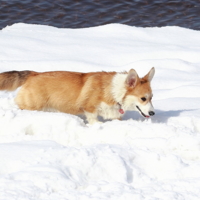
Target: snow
{"points": [[56, 156]]}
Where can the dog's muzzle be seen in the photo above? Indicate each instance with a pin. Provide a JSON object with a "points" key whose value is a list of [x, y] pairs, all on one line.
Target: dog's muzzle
{"points": [[151, 113]]}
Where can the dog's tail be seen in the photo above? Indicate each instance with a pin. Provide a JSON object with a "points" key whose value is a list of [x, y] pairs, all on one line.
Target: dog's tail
{"points": [[13, 79]]}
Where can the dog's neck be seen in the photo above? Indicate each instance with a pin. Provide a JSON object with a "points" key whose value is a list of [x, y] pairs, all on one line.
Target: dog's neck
{"points": [[118, 87]]}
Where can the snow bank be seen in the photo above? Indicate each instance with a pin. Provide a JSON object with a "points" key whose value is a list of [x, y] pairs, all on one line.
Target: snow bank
{"points": [[57, 156]]}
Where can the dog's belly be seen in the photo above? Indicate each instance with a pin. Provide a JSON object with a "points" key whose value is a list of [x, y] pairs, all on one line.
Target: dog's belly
{"points": [[109, 112]]}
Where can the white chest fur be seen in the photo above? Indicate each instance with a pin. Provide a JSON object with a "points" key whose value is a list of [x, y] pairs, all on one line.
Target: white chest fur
{"points": [[109, 112], [118, 87]]}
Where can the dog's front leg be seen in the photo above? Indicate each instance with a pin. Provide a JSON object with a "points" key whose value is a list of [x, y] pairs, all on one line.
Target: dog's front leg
{"points": [[92, 117]]}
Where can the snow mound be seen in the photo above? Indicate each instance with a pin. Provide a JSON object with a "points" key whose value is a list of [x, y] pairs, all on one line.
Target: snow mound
{"points": [[54, 156]]}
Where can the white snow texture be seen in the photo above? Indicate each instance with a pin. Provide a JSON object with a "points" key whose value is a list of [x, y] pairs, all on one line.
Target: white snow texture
{"points": [[56, 156]]}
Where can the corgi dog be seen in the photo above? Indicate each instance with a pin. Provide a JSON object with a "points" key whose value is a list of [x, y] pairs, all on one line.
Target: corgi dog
{"points": [[106, 94]]}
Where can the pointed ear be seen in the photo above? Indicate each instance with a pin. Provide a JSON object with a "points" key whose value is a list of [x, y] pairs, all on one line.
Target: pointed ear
{"points": [[132, 78], [150, 75]]}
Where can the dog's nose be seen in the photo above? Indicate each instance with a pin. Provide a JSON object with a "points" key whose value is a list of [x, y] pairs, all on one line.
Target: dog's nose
{"points": [[151, 113]]}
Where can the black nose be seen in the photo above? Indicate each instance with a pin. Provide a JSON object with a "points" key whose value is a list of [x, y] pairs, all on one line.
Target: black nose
{"points": [[151, 113]]}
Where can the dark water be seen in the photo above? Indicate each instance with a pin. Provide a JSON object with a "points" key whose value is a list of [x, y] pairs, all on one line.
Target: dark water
{"points": [[89, 13]]}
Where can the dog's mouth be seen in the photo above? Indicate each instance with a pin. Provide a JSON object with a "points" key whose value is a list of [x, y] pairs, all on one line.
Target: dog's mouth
{"points": [[146, 116]]}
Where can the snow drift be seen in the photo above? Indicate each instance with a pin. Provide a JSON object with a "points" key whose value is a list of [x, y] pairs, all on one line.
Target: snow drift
{"points": [[54, 156]]}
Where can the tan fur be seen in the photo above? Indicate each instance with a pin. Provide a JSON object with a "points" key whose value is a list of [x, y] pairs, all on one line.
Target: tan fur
{"points": [[69, 92]]}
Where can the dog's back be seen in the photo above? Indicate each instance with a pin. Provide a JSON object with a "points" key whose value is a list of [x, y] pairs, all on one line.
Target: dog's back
{"points": [[70, 92]]}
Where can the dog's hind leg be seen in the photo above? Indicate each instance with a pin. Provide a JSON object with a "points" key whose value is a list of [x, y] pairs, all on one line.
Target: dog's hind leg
{"points": [[28, 99]]}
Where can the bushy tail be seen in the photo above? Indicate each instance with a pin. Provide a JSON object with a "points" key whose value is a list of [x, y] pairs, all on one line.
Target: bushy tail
{"points": [[13, 79]]}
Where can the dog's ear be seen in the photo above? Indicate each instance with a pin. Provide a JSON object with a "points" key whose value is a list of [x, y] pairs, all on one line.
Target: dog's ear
{"points": [[132, 78], [150, 75]]}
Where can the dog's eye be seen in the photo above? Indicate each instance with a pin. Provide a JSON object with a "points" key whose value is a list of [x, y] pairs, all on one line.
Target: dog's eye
{"points": [[143, 99]]}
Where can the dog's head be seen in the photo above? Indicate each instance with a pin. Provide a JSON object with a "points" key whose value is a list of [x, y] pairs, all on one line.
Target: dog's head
{"points": [[139, 93]]}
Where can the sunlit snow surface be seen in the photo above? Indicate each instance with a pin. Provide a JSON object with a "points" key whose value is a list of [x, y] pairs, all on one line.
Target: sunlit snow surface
{"points": [[56, 156]]}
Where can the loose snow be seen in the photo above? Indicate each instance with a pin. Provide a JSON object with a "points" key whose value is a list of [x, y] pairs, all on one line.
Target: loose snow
{"points": [[56, 156]]}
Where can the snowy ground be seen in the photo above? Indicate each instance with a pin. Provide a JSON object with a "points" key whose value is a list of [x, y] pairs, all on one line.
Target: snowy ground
{"points": [[56, 156]]}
